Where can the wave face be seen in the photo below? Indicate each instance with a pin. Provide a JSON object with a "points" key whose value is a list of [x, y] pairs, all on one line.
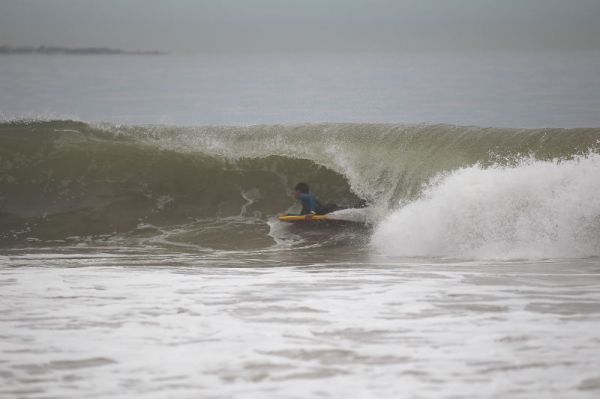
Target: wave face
{"points": [[217, 186]]}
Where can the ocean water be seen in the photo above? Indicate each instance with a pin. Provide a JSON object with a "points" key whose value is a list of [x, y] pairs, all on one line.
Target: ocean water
{"points": [[140, 253], [522, 90]]}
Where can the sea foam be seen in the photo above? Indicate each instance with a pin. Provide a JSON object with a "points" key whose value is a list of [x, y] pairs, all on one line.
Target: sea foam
{"points": [[536, 209]]}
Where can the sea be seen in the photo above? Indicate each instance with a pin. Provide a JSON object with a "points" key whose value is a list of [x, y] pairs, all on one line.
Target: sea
{"points": [[141, 254]]}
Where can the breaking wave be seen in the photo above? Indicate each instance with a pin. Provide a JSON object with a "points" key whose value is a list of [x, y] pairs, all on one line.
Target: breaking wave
{"points": [[536, 209], [433, 190]]}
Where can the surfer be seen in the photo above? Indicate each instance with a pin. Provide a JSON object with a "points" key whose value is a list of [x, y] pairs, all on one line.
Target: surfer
{"points": [[313, 210], [310, 205]]}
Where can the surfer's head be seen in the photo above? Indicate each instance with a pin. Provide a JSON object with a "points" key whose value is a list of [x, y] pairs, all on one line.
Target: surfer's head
{"points": [[302, 188]]}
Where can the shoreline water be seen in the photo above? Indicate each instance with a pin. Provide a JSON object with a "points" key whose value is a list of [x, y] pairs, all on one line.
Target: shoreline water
{"points": [[169, 325]]}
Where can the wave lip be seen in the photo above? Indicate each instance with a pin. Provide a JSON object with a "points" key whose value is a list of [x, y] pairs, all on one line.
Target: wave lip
{"points": [[536, 209]]}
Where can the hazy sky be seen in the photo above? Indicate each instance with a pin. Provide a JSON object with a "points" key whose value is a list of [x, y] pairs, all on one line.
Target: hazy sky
{"points": [[196, 26]]}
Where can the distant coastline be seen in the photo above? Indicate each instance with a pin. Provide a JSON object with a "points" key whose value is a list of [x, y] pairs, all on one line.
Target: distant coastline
{"points": [[72, 51]]}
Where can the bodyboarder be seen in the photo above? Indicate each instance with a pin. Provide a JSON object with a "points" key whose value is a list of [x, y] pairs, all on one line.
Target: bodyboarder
{"points": [[310, 204]]}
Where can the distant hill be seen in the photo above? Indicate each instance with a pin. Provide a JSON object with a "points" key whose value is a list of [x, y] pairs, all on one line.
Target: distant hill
{"points": [[75, 51]]}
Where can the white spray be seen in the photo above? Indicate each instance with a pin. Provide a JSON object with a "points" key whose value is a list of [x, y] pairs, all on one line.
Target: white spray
{"points": [[537, 209]]}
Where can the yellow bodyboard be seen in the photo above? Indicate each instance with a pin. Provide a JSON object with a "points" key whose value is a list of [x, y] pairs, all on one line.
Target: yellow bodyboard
{"points": [[302, 218]]}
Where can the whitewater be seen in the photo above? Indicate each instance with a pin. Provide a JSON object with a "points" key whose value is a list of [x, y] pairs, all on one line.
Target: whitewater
{"points": [[535, 209], [141, 255]]}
